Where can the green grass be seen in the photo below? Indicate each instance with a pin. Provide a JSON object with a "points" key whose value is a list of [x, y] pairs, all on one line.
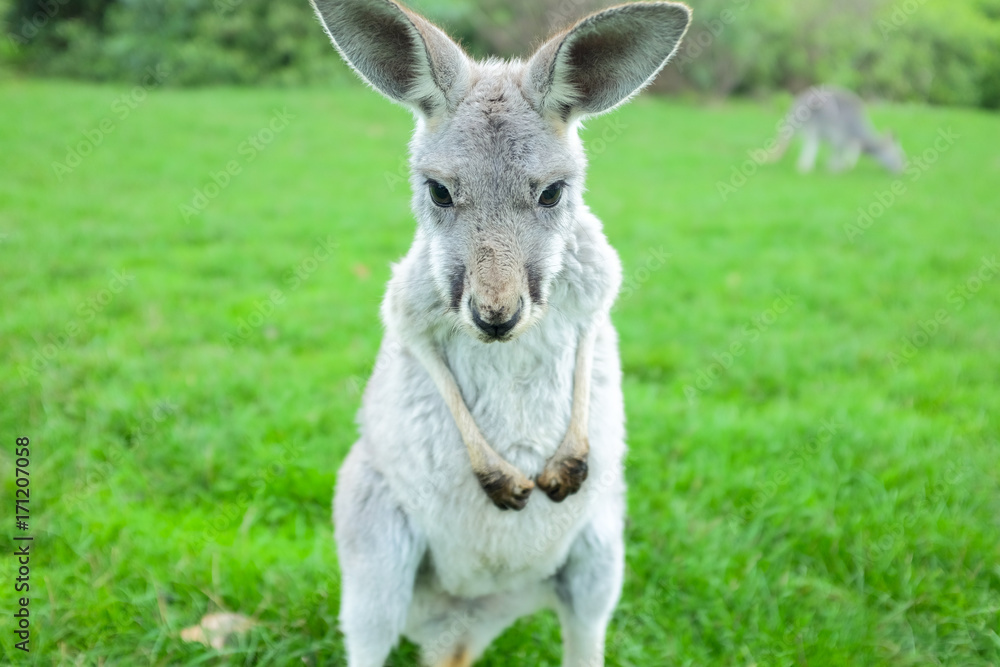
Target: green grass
{"points": [[810, 500]]}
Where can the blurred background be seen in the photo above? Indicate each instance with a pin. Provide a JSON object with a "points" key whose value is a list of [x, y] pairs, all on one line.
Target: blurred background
{"points": [[931, 51], [199, 206]]}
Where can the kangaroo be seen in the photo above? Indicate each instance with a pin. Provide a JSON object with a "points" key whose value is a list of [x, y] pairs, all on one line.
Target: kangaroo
{"points": [[497, 343], [838, 117]]}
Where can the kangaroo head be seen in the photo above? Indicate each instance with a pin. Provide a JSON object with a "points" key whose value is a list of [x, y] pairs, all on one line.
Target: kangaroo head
{"points": [[497, 167], [890, 153]]}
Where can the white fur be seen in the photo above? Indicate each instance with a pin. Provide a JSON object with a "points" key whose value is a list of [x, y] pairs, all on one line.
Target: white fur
{"points": [[424, 552]]}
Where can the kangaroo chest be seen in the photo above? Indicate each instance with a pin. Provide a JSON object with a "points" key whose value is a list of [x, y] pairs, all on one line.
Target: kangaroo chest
{"points": [[519, 393]]}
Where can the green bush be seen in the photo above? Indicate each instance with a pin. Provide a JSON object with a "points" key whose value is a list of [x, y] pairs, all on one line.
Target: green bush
{"points": [[921, 50], [194, 41], [938, 51]]}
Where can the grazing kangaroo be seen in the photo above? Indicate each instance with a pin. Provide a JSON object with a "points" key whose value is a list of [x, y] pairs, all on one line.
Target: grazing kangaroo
{"points": [[497, 345], [835, 116]]}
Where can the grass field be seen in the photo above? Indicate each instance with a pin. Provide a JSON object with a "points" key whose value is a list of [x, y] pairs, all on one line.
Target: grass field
{"points": [[813, 402]]}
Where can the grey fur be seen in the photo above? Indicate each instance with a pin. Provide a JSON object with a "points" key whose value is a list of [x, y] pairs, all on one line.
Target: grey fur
{"points": [[497, 342], [837, 117], [635, 41]]}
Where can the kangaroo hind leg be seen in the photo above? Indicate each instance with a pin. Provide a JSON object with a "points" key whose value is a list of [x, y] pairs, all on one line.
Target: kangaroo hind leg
{"points": [[810, 149], [379, 552], [588, 585]]}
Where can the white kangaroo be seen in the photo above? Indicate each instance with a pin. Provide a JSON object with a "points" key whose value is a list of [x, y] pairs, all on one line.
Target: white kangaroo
{"points": [[499, 368]]}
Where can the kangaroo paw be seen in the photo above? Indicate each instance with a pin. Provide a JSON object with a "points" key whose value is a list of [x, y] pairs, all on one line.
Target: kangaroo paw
{"points": [[562, 477], [508, 492]]}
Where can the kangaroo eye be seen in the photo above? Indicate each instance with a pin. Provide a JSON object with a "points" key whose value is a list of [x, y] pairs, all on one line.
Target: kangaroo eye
{"points": [[550, 196], [439, 194]]}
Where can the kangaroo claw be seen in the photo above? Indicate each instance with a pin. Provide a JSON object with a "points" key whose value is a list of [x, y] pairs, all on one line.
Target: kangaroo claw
{"points": [[562, 477]]}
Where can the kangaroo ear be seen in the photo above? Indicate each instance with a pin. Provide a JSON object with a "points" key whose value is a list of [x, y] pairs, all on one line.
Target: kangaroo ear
{"points": [[605, 58], [399, 53]]}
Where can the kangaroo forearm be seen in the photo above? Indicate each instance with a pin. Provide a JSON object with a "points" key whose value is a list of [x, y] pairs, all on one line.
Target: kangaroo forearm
{"points": [[504, 484], [481, 454], [479, 449], [567, 469], [580, 415]]}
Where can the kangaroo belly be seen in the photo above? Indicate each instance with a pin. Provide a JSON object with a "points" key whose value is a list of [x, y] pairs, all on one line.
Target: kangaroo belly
{"points": [[522, 405], [520, 393], [482, 552]]}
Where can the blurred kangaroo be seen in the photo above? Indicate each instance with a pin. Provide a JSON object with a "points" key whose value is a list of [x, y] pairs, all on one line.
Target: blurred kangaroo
{"points": [[836, 116], [497, 343]]}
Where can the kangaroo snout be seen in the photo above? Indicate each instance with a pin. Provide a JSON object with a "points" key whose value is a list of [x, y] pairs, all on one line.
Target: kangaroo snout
{"points": [[497, 302], [495, 322]]}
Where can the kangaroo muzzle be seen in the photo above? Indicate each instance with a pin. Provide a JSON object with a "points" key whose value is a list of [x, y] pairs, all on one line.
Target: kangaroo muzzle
{"points": [[496, 302], [494, 322]]}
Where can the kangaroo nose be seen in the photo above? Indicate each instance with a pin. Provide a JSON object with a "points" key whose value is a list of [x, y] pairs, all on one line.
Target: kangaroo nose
{"points": [[490, 324]]}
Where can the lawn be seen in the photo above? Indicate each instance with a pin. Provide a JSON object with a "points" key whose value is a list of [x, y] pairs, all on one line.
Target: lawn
{"points": [[813, 392]]}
